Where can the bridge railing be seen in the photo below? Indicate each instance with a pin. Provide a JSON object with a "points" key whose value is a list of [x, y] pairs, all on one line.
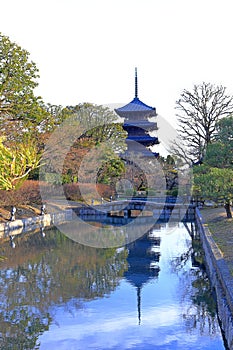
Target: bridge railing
{"points": [[167, 199]]}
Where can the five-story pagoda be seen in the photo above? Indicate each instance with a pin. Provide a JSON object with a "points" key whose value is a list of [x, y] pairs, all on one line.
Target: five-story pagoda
{"points": [[136, 123]]}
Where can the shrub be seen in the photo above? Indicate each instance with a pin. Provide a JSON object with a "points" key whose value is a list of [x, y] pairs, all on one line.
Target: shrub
{"points": [[29, 193]]}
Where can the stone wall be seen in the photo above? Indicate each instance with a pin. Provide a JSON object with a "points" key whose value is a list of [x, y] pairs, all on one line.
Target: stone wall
{"points": [[27, 224], [220, 278]]}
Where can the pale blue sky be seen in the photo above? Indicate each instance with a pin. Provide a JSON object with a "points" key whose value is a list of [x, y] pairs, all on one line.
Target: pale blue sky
{"points": [[86, 50]]}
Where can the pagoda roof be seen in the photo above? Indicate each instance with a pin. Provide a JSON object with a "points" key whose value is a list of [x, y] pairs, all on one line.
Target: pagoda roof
{"points": [[135, 105], [144, 138], [146, 153], [144, 123]]}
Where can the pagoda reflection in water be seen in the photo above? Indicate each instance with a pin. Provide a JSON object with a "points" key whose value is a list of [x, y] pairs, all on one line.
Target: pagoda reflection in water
{"points": [[143, 263]]}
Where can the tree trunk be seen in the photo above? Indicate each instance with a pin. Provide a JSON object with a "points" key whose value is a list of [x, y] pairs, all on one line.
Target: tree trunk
{"points": [[227, 207]]}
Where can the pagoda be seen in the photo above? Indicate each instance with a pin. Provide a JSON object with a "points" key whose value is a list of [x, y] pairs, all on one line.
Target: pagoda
{"points": [[136, 116]]}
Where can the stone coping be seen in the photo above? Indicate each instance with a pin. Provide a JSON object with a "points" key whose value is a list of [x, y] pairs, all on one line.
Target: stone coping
{"points": [[220, 278], [26, 224], [222, 268]]}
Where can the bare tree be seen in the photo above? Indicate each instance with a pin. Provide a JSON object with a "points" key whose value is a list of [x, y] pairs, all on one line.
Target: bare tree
{"points": [[199, 112]]}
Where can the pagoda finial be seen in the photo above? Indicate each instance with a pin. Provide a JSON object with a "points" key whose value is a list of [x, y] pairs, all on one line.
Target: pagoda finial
{"points": [[136, 83], [139, 304]]}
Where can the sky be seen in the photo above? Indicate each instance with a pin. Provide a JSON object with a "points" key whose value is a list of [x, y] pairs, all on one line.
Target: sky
{"points": [[87, 50]]}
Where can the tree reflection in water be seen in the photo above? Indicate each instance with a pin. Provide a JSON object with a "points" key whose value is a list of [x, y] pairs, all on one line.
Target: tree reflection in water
{"points": [[195, 286], [45, 271], [49, 270]]}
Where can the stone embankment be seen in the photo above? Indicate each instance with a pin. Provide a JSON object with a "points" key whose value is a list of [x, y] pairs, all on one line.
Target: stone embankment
{"points": [[220, 278], [27, 224]]}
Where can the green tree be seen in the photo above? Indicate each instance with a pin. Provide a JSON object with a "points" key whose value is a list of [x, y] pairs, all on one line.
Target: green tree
{"points": [[99, 124], [20, 109], [94, 134], [111, 170], [224, 129], [16, 163], [220, 153], [214, 179], [214, 184]]}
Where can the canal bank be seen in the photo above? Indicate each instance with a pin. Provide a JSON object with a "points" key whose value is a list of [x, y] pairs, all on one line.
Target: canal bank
{"points": [[19, 226], [217, 268], [220, 277]]}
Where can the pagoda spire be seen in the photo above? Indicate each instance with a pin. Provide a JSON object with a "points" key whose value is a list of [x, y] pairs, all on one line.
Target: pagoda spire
{"points": [[139, 304], [136, 83]]}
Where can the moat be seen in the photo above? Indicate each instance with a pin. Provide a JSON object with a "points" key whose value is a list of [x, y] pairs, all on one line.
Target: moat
{"points": [[150, 294]]}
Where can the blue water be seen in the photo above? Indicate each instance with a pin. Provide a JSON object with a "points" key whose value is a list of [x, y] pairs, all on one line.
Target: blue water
{"points": [[151, 294], [162, 316]]}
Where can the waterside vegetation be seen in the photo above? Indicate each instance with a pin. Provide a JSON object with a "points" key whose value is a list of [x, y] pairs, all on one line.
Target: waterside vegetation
{"points": [[27, 123]]}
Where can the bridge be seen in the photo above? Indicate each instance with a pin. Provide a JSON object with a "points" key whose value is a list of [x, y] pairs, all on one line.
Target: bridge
{"points": [[145, 209]]}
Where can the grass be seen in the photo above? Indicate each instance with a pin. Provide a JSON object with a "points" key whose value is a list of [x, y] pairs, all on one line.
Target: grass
{"points": [[222, 231]]}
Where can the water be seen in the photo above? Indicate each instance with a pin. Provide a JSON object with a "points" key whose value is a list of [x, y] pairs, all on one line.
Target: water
{"points": [[153, 294]]}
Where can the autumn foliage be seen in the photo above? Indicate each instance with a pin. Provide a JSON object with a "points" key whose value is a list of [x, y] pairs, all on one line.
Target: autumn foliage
{"points": [[29, 193]]}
